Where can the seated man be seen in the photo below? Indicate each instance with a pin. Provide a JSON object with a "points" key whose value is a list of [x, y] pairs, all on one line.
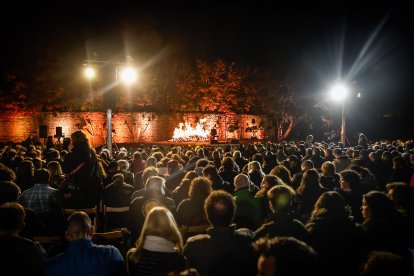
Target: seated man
{"points": [[284, 256], [46, 202], [223, 250], [248, 209], [152, 196], [42, 197], [282, 223], [18, 256], [82, 257]]}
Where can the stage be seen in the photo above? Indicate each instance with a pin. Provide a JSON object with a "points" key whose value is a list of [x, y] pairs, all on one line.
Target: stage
{"points": [[212, 143]]}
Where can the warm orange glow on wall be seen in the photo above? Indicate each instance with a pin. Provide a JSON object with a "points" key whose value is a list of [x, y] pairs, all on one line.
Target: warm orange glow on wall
{"points": [[127, 127]]}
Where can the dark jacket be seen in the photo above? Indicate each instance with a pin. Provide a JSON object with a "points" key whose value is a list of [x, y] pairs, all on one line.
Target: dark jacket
{"points": [[181, 192], [283, 225], [117, 195], [330, 182], [173, 180], [141, 206], [339, 242], [391, 235], [191, 212], [19, 256], [129, 177], [354, 200], [88, 180], [222, 251]]}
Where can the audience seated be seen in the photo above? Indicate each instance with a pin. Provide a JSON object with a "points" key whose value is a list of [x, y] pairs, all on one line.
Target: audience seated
{"points": [[158, 250], [153, 196], [190, 211], [382, 263], [82, 256], [248, 209], [118, 193], [385, 230], [286, 256], [334, 235], [386, 223], [18, 256], [282, 222], [223, 250], [181, 192]]}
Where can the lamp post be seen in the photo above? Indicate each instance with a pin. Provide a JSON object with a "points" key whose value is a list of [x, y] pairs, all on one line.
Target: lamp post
{"points": [[125, 73], [339, 93]]}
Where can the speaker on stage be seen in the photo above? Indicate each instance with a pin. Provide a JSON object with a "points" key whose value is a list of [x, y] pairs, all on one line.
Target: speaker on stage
{"points": [[59, 132], [42, 131]]}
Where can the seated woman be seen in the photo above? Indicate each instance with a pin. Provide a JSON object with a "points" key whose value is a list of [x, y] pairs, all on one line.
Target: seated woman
{"points": [[159, 248], [384, 227], [56, 174], [333, 234], [191, 210], [329, 179]]}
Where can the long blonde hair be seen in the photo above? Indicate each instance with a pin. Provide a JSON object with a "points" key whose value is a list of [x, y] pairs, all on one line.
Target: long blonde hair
{"points": [[159, 222], [55, 171], [54, 168]]}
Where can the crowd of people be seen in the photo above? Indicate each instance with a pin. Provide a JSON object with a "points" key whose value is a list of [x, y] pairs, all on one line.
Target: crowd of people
{"points": [[285, 208]]}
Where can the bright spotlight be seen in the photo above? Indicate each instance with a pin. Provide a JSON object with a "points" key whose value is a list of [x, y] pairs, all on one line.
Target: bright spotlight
{"points": [[89, 72], [129, 75], [339, 92]]}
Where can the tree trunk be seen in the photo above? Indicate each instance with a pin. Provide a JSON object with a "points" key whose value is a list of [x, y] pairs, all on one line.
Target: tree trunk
{"points": [[289, 129]]}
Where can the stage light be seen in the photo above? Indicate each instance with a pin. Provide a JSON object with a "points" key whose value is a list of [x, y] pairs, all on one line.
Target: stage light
{"points": [[89, 72], [339, 92], [128, 75]]}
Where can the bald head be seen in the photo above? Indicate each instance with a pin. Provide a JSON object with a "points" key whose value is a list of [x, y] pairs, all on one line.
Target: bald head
{"points": [[241, 181], [79, 226]]}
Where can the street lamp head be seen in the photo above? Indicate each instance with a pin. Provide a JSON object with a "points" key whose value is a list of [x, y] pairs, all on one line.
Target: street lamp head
{"points": [[339, 92], [128, 75], [89, 72]]}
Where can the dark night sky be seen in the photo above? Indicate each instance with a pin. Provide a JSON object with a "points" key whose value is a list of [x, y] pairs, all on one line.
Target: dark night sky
{"points": [[376, 39]]}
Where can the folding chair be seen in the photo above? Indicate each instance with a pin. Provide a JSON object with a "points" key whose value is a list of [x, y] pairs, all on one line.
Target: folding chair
{"points": [[115, 217], [116, 238]]}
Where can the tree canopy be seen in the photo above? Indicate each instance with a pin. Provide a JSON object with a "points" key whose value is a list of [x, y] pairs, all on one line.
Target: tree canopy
{"points": [[169, 86]]}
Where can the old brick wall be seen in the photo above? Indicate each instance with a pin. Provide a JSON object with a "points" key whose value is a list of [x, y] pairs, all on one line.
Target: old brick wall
{"points": [[128, 127]]}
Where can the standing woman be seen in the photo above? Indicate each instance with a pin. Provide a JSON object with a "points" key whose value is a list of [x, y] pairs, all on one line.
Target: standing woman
{"points": [[159, 248], [82, 162]]}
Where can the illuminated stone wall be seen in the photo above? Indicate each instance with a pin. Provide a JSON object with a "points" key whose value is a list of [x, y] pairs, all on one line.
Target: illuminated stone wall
{"points": [[132, 127]]}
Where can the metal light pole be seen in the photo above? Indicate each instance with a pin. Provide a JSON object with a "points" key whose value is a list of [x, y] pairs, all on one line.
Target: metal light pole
{"points": [[339, 93], [343, 123], [128, 75], [109, 130]]}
